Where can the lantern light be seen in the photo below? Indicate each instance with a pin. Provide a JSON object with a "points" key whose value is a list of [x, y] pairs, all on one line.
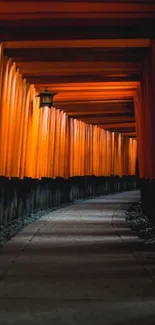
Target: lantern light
{"points": [[46, 98]]}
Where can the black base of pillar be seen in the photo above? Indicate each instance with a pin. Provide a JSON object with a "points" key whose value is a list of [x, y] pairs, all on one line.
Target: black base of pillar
{"points": [[21, 198], [147, 188]]}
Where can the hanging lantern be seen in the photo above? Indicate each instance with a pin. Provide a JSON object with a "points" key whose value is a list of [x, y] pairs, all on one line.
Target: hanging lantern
{"points": [[46, 98]]}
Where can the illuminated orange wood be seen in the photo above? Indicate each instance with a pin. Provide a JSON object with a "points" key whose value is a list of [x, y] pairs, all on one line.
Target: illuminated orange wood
{"points": [[44, 143], [90, 86], [5, 101]]}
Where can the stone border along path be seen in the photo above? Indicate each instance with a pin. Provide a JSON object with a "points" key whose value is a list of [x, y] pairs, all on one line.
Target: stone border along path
{"points": [[79, 265]]}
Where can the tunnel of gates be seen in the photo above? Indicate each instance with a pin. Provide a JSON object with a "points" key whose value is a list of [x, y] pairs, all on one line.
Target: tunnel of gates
{"points": [[47, 159]]}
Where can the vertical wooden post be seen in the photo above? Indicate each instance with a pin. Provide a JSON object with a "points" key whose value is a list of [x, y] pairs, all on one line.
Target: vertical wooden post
{"points": [[145, 122]]}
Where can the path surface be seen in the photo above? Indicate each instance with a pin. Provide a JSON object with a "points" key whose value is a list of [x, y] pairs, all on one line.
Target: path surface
{"points": [[78, 265]]}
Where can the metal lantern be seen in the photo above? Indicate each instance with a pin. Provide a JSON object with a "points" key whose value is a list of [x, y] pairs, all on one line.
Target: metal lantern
{"points": [[46, 98]]}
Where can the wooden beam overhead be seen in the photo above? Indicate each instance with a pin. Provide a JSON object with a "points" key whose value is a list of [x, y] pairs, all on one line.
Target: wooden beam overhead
{"points": [[111, 101], [82, 43], [71, 68], [73, 54], [129, 134], [74, 10], [96, 95], [96, 113], [117, 85], [24, 30], [47, 81], [120, 126], [111, 119]]}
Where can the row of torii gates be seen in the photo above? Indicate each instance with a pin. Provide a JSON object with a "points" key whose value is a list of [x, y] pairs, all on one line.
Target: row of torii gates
{"points": [[99, 58]]}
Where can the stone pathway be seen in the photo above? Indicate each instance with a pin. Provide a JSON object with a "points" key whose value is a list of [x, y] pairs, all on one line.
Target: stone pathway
{"points": [[79, 265]]}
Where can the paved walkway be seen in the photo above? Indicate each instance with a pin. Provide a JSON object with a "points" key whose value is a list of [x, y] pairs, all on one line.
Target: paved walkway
{"points": [[78, 265]]}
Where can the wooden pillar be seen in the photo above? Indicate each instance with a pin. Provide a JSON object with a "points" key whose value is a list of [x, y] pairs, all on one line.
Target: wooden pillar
{"points": [[145, 122]]}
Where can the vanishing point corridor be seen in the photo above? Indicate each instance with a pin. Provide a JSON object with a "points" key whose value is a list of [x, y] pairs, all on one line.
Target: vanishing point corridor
{"points": [[78, 265], [77, 124]]}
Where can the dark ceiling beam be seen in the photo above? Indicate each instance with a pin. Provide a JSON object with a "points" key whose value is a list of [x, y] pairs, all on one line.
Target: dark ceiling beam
{"points": [[76, 54], [108, 101], [93, 110], [96, 107], [113, 128], [120, 131], [115, 106], [107, 120], [37, 33], [70, 68], [119, 126], [102, 115], [74, 29], [47, 81], [79, 109], [84, 114], [117, 130]]}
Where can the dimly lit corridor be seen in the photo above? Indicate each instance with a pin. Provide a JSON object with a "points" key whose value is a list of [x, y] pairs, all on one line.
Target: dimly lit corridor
{"points": [[78, 265], [77, 148]]}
